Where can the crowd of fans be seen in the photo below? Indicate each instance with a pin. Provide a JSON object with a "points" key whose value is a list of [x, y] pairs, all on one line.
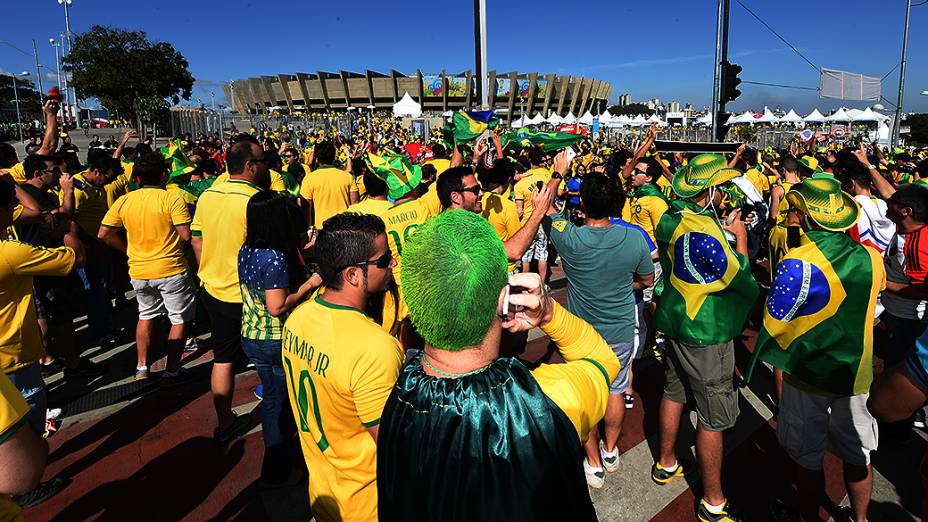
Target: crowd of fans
{"points": [[383, 289]]}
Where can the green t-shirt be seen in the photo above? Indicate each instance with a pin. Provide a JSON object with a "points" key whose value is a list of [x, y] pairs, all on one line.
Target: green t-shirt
{"points": [[600, 263]]}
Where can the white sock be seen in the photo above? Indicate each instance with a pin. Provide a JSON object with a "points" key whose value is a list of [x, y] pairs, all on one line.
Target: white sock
{"points": [[590, 469], [143, 367], [671, 468], [714, 509]]}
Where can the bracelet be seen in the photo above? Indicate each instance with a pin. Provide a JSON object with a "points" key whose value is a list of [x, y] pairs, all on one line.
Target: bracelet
{"points": [[872, 167]]}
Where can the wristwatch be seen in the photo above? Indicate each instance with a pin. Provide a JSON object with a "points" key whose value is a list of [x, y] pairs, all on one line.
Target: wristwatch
{"points": [[557, 175]]}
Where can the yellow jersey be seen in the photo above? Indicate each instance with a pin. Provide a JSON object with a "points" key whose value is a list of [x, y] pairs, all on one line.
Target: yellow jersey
{"points": [[503, 215], [646, 212], [20, 340], [440, 164], [340, 368], [277, 182], [117, 188], [220, 221], [13, 411], [328, 188], [402, 220], [376, 207], [760, 182], [149, 216], [527, 186], [430, 199], [90, 205], [18, 172]]}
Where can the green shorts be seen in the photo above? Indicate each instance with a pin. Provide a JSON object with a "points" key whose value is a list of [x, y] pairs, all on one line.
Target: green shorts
{"points": [[705, 375]]}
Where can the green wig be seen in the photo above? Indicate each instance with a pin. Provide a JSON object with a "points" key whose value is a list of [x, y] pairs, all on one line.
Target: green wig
{"points": [[453, 269]]}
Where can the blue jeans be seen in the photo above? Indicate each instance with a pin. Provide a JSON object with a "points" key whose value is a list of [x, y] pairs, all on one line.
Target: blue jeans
{"points": [[95, 276], [277, 422], [29, 382]]}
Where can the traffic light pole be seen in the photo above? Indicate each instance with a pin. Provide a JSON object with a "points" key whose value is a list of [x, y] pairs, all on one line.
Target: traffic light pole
{"points": [[721, 56]]}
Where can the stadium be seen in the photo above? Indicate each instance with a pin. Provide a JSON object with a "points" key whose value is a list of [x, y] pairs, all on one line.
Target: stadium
{"points": [[439, 92]]}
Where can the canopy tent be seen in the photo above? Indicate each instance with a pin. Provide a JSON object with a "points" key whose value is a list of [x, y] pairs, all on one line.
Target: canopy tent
{"points": [[656, 119], [745, 117], [705, 119], [521, 122], [853, 113], [407, 107], [732, 119], [570, 119], [791, 117], [866, 115], [554, 119], [620, 121], [767, 117], [814, 117], [839, 116], [638, 121], [537, 120], [605, 116], [586, 119]]}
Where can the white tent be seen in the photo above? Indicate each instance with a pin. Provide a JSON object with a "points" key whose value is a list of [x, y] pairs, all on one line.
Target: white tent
{"points": [[586, 119], [521, 122], [865, 116], [537, 120], [605, 116], [554, 119], [638, 121], [853, 113], [732, 119], [767, 117], [839, 115], [407, 107], [705, 119], [791, 117], [656, 119], [814, 117], [620, 121], [570, 119], [745, 117]]}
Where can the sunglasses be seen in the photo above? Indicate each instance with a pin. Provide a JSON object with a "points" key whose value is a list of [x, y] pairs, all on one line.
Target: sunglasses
{"points": [[54, 170], [475, 190], [381, 262]]}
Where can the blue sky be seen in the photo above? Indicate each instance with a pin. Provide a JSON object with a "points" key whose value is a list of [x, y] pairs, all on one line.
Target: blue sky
{"points": [[647, 49]]}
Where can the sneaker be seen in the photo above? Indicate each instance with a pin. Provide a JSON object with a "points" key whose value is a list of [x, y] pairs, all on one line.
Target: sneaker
{"points": [[595, 477], [610, 460], [171, 379], [232, 432], [141, 374], [41, 493], [52, 368], [52, 413], [250, 366], [84, 369], [919, 420], [629, 402], [728, 513], [661, 475], [259, 392]]}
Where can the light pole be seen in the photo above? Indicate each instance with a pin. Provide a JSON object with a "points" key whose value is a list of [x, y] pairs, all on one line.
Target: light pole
{"points": [[57, 61], [67, 27], [67, 95], [19, 123], [897, 121]]}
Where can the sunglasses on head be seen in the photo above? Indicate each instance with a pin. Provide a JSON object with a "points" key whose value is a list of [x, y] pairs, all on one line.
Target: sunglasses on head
{"points": [[380, 262]]}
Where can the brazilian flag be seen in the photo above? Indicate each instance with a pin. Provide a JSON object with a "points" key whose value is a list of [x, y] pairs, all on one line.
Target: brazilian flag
{"points": [[708, 287], [174, 153], [470, 124], [399, 175], [818, 322], [547, 140]]}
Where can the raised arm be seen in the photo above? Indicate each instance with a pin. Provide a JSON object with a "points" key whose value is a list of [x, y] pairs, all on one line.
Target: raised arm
{"points": [[50, 139]]}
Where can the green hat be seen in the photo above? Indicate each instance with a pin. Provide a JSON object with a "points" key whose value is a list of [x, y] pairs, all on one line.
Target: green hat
{"points": [[810, 164], [825, 203], [702, 172], [454, 267], [400, 176]]}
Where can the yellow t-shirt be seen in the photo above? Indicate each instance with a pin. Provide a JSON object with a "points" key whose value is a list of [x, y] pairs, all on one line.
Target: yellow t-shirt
{"points": [[440, 164], [760, 182], [220, 221], [376, 207], [362, 190], [665, 186], [527, 186], [328, 189], [277, 182], [646, 212], [13, 411], [20, 341], [401, 221], [341, 367], [116, 188], [18, 172], [90, 205], [149, 216], [430, 199], [503, 215]]}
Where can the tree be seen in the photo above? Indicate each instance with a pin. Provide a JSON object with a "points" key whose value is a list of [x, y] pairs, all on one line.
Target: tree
{"points": [[28, 98], [632, 109], [121, 67], [918, 123]]}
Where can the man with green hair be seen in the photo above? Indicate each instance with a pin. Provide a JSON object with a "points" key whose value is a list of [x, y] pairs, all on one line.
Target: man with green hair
{"points": [[708, 294], [448, 430]]}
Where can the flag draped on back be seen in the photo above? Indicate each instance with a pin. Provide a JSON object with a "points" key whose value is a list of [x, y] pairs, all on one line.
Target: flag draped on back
{"points": [[818, 322], [547, 140], [708, 287], [470, 124], [178, 159]]}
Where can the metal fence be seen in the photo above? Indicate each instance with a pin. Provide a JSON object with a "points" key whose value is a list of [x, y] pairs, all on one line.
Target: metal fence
{"points": [[196, 121]]}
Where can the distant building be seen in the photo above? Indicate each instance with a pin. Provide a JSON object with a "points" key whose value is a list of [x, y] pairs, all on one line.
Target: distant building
{"points": [[673, 106], [624, 99], [653, 103]]}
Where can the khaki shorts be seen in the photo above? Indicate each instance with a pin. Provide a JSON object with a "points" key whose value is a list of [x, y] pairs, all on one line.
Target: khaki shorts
{"points": [[704, 375], [173, 296], [808, 424]]}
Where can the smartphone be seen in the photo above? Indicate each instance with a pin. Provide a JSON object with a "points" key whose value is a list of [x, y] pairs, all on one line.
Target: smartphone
{"points": [[504, 310], [571, 154], [792, 236], [539, 184]]}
